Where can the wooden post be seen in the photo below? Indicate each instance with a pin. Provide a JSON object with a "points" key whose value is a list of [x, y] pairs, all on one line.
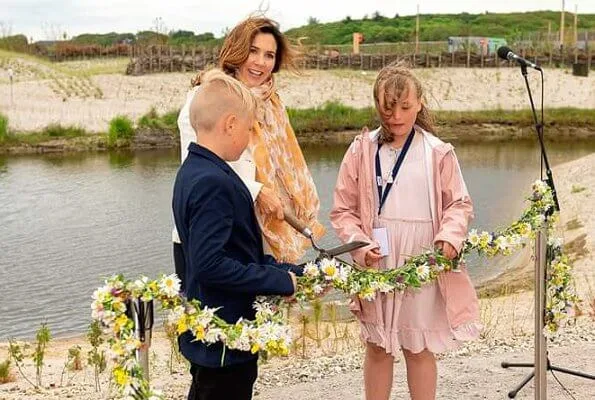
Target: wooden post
{"points": [[159, 60], [468, 51], [171, 60], [427, 60], [439, 60], [361, 61], [452, 59], [575, 35], [481, 57], [417, 31], [562, 28], [151, 49], [549, 41], [588, 51], [357, 38], [193, 58]]}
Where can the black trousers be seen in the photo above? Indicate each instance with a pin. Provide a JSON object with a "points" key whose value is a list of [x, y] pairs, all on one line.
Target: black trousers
{"points": [[180, 264], [226, 383]]}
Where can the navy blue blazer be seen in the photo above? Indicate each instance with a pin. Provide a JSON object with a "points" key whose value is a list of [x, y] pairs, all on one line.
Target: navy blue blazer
{"points": [[222, 243]]}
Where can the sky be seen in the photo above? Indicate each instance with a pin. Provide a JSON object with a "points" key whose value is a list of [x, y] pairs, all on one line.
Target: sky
{"points": [[42, 19]]}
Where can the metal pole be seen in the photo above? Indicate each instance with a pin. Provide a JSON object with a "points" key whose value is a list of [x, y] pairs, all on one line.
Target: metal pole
{"points": [[142, 315], [540, 344]]}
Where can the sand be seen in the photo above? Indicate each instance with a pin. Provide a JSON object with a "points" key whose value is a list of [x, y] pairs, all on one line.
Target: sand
{"points": [[42, 95]]}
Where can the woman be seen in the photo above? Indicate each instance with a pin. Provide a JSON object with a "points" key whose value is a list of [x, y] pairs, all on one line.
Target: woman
{"points": [[273, 167]]}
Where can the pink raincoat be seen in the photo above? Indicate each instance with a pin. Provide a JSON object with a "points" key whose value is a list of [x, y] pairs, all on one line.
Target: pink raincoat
{"points": [[352, 217]]}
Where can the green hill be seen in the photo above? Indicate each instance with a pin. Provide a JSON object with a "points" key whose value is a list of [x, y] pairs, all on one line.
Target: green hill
{"points": [[437, 27]]}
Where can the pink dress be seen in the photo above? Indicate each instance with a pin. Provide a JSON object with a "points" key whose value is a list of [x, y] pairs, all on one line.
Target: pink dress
{"points": [[416, 319]]}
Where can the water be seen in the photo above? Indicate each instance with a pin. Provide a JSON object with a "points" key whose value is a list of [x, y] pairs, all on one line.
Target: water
{"points": [[69, 221]]}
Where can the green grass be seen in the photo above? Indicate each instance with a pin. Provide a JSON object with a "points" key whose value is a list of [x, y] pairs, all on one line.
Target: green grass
{"points": [[120, 130], [338, 117], [3, 128], [331, 117], [59, 131], [575, 117], [435, 27], [152, 120]]}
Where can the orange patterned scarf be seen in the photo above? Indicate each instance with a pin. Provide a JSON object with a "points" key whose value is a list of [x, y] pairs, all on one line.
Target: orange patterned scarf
{"points": [[280, 166]]}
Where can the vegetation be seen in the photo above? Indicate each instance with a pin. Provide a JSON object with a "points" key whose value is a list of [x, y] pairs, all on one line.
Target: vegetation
{"points": [[96, 357], [376, 28], [120, 129], [5, 373], [330, 117], [338, 117], [152, 120], [436, 27], [17, 353], [3, 128], [59, 131], [42, 337]]}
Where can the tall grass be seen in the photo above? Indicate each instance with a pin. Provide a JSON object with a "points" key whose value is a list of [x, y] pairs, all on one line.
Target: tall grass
{"points": [[334, 116], [3, 128], [152, 120], [331, 116], [60, 131], [120, 130]]}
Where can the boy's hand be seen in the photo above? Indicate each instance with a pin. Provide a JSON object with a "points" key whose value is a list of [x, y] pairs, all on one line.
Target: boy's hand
{"points": [[372, 257], [447, 249], [269, 202], [291, 298]]}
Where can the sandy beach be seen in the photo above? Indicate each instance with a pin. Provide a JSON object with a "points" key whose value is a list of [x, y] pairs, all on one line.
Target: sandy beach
{"points": [[78, 93], [334, 370]]}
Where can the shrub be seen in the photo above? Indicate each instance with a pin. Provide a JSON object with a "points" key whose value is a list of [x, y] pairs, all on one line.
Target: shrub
{"points": [[120, 128]]}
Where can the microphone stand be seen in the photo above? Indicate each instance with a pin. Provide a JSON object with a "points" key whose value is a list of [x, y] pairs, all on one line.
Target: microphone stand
{"points": [[543, 258]]}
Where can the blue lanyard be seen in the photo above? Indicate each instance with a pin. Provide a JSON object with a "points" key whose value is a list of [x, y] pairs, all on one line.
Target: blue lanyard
{"points": [[382, 196]]}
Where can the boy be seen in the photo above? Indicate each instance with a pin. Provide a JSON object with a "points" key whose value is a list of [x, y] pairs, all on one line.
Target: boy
{"points": [[222, 243]]}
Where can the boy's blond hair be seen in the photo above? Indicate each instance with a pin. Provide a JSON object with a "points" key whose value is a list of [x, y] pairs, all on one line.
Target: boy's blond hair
{"points": [[220, 94]]}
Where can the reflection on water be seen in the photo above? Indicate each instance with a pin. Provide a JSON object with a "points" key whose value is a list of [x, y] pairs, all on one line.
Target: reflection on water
{"points": [[68, 221]]}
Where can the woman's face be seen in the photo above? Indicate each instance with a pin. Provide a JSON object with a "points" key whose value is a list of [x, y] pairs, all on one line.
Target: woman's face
{"points": [[258, 68]]}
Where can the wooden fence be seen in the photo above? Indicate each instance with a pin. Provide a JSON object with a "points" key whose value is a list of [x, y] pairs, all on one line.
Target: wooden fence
{"points": [[166, 59]]}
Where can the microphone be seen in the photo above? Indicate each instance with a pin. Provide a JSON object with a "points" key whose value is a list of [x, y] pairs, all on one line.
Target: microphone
{"points": [[506, 54]]}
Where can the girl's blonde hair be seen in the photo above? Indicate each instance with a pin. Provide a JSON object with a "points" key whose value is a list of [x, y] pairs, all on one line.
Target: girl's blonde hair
{"points": [[392, 83]]}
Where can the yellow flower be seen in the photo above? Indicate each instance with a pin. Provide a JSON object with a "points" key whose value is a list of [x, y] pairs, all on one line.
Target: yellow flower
{"points": [[272, 345], [182, 326], [255, 348], [200, 332], [283, 349], [121, 377], [120, 323]]}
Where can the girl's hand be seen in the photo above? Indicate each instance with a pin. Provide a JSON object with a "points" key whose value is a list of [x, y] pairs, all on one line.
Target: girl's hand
{"points": [[269, 203], [372, 257], [448, 250]]}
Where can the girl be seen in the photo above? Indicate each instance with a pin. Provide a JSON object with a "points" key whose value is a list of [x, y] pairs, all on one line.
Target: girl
{"points": [[401, 189]]}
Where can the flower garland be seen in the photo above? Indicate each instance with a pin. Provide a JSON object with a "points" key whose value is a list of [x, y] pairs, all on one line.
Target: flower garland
{"points": [[425, 268], [268, 332]]}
